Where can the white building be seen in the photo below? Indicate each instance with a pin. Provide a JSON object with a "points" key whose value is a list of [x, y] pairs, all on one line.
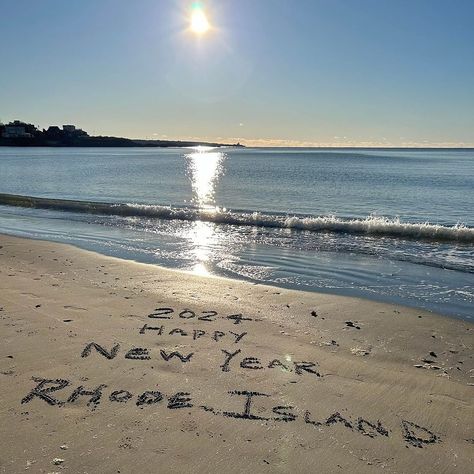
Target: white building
{"points": [[15, 131]]}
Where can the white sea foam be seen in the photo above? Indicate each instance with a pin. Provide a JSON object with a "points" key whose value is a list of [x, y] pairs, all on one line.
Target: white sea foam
{"points": [[371, 225]]}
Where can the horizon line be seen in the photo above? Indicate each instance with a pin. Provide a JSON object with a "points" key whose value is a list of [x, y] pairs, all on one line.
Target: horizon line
{"points": [[283, 142]]}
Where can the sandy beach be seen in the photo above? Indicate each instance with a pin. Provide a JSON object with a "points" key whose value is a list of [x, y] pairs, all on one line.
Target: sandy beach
{"points": [[111, 366]]}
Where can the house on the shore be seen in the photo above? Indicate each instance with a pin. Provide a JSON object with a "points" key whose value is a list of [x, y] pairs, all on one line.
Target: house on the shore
{"points": [[17, 129], [73, 131]]}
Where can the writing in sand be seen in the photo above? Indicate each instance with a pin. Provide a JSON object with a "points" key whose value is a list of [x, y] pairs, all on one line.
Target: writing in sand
{"points": [[61, 392]]}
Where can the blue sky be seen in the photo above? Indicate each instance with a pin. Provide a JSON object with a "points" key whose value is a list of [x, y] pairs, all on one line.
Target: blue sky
{"points": [[270, 72]]}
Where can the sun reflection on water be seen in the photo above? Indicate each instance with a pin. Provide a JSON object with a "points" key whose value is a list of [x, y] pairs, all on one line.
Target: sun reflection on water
{"points": [[204, 167]]}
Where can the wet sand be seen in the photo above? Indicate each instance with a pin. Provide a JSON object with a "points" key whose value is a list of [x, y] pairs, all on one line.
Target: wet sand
{"points": [[111, 366]]}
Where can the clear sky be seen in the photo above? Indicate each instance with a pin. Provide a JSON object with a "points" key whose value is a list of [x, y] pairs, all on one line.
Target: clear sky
{"points": [[269, 72]]}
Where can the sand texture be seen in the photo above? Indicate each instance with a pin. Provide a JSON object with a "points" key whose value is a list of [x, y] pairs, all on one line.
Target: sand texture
{"points": [[110, 366]]}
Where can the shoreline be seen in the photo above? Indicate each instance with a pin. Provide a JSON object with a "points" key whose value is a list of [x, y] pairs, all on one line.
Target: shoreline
{"points": [[343, 292], [245, 281], [268, 287], [347, 383]]}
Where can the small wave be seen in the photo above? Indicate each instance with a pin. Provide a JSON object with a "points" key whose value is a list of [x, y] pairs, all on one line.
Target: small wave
{"points": [[371, 225]]}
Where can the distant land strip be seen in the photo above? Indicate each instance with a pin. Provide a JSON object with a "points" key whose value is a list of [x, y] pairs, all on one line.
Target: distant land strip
{"points": [[22, 134]]}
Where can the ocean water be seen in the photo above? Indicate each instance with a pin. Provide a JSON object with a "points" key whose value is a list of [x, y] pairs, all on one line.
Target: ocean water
{"points": [[388, 225]]}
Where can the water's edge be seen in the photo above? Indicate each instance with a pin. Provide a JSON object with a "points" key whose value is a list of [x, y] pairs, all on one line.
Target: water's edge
{"points": [[231, 279]]}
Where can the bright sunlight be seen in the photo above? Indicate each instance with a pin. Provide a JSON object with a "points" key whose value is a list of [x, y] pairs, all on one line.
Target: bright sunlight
{"points": [[199, 21]]}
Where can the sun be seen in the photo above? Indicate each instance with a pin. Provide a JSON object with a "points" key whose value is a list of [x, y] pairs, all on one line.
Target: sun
{"points": [[199, 21]]}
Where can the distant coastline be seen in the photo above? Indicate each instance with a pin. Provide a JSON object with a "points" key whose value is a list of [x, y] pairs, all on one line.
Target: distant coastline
{"points": [[22, 134]]}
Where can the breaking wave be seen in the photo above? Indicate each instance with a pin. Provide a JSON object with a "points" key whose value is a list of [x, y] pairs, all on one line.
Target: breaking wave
{"points": [[371, 225]]}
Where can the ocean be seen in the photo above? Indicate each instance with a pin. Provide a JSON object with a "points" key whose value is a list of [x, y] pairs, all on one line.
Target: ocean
{"points": [[391, 225]]}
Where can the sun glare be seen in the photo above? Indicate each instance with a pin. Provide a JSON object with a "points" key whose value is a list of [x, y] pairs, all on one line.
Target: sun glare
{"points": [[199, 22]]}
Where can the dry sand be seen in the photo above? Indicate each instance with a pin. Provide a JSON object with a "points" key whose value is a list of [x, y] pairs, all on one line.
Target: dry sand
{"points": [[313, 383]]}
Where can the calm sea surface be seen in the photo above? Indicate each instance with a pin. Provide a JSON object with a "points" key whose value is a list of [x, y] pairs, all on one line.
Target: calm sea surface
{"points": [[388, 225]]}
